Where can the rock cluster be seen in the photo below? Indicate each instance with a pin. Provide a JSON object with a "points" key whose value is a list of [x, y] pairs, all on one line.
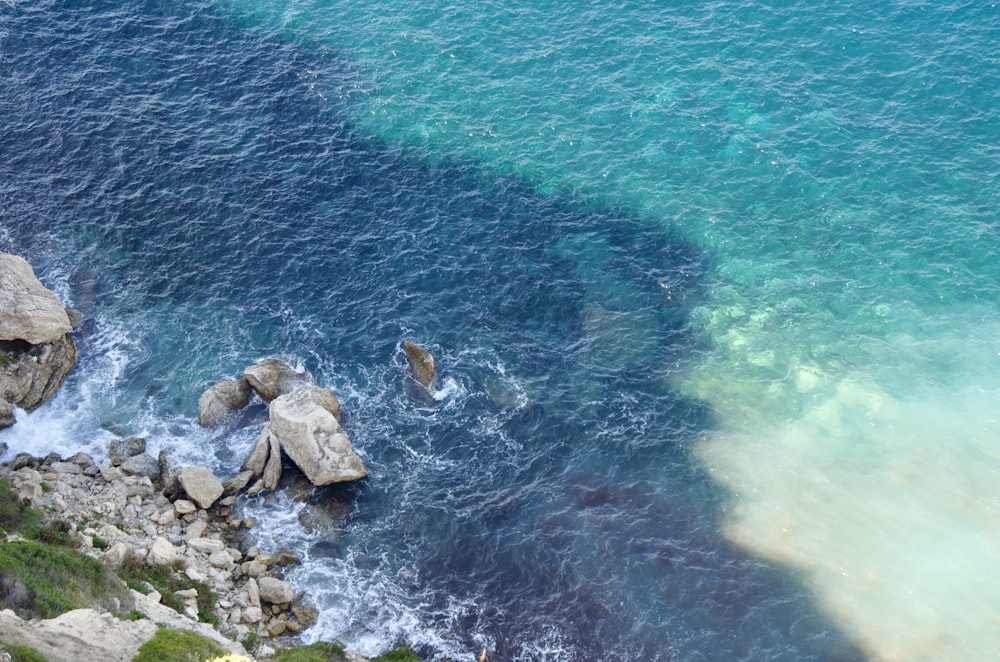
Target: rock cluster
{"points": [[122, 514], [303, 424], [36, 350]]}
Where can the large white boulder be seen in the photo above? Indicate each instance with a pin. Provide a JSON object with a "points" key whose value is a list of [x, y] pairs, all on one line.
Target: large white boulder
{"points": [[304, 422], [28, 311]]}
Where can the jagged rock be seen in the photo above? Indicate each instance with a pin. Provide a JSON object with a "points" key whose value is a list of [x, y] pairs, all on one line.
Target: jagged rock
{"points": [[31, 374], [307, 614], [311, 436], [142, 464], [275, 591], [421, 365], [6, 414], [257, 460], [170, 472], [28, 311], [237, 482], [221, 400], [37, 351], [272, 378], [121, 450], [201, 485], [286, 557], [272, 470], [253, 592], [82, 460]]}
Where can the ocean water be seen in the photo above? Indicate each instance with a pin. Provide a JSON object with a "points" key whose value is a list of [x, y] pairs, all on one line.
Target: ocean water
{"points": [[713, 290]]}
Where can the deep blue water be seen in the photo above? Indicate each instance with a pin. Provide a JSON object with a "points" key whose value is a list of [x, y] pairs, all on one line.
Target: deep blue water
{"points": [[709, 290]]}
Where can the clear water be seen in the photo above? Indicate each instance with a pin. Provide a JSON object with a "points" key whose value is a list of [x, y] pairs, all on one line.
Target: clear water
{"points": [[713, 290]]}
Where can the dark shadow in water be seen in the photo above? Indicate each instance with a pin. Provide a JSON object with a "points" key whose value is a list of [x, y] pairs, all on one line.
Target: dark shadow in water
{"points": [[188, 160]]}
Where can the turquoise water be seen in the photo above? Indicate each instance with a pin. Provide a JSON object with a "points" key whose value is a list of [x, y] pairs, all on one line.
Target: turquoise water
{"points": [[713, 288]]}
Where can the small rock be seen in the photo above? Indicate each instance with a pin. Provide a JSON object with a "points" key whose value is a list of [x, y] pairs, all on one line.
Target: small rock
{"points": [[195, 529], [119, 451], [421, 365], [201, 485], [237, 482], [66, 468], [142, 464], [221, 559], [184, 507], [161, 552], [111, 474], [307, 615], [82, 460], [275, 628], [275, 591], [253, 593], [117, 553], [207, 546], [286, 557], [252, 615]]}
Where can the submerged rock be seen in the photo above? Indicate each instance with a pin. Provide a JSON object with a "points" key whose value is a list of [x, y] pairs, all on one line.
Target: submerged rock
{"points": [[421, 365]]}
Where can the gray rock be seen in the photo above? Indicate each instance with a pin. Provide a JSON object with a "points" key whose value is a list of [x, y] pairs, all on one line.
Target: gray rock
{"points": [[81, 634], [221, 400], [421, 365], [311, 436], [253, 592], [28, 311], [272, 470], [117, 554], [66, 468], [32, 374], [201, 485], [162, 552], [121, 450], [170, 472], [184, 507], [274, 590], [206, 546], [257, 459], [6, 415], [272, 378], [237, 482], [141, 465], [82, 460]]}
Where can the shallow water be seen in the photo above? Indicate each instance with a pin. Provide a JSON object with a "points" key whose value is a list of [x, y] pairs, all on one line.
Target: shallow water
{"points": [[712, 289]]}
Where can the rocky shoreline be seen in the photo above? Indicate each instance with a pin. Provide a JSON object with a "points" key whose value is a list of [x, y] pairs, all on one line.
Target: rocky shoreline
{"points": [[134, 508], [118, 514]]}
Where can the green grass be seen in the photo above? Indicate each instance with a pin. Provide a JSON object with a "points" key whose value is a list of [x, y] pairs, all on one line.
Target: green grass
{"points": [[318, 652], [17, 516], [168, 579], [41, 581], [401, 653], [20, 653], [178, 646]]}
